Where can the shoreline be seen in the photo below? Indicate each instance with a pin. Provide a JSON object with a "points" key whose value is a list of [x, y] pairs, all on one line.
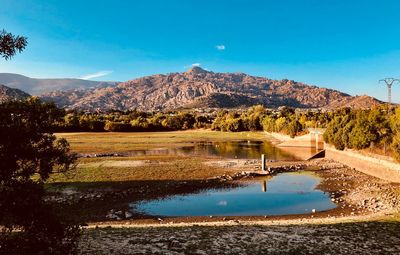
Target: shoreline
{"points": [[357, 195], [250, 222]]}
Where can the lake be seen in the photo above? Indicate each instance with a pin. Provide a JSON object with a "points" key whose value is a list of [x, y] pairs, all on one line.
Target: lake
{"points": [[251, 149]]}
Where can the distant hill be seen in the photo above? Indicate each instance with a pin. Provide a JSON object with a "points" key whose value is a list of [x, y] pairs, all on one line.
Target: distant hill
{"points": [[8, 94], [198, 88], [39, 86]]}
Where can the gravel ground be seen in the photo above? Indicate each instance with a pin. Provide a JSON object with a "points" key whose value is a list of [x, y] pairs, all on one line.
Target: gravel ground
{"points": [[345, 238]]}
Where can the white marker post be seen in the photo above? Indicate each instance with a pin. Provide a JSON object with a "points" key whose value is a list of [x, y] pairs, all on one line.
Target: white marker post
{"points": [[263, 162]]}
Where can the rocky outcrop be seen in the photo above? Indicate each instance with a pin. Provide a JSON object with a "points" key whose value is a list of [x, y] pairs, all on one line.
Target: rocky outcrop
{"points": [[198, 88]]}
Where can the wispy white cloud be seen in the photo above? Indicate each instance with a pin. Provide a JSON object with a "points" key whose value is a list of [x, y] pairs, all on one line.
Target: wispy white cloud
{"points": [[220, 47], [196, 64], [95, 75]]}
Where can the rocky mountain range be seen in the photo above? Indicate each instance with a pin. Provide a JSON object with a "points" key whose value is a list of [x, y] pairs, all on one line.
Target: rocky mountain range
{"points": [[37, 87], [198, 88], [8, 94]]}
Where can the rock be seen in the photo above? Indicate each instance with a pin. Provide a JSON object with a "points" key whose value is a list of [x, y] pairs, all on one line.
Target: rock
{"points": [[128, 215]]}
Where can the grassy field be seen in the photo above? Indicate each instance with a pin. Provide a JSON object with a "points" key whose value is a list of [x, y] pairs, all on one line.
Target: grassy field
{"points": [[148, 167], [137, 168], [121, 142]]}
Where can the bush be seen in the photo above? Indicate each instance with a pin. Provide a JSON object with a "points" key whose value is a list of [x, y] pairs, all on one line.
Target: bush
{"points": [[293, 128], [396, 146], [117, 127]]}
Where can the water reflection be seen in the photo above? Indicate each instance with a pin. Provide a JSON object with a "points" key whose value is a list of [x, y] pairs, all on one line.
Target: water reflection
{"points": [[287, 193], [264, 186], [231, 149]]}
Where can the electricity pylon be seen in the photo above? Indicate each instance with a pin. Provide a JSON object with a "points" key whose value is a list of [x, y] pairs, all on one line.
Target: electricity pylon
{"points": [[389, 82]]}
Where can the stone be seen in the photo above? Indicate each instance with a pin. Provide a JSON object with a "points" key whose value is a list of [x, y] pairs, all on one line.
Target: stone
{"points": [[128, 215]]}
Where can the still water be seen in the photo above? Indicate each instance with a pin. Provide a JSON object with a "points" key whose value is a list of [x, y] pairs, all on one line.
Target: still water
{"points": [[233, 149], [283, 194]]}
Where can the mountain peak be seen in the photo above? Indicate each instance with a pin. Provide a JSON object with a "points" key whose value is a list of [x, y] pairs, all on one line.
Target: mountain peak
{"points": [[198, 88], [196, 70]]}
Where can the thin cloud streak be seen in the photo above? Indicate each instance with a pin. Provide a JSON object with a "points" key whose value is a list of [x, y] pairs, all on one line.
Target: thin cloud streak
{"points": [[95, 75], [220, 47]]}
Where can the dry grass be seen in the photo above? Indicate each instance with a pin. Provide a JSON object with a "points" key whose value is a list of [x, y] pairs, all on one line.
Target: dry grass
{"points": [[127, 169], [149, 167], [122, 142]]}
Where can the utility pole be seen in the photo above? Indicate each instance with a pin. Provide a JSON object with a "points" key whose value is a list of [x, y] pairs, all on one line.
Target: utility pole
{"points": [[389, 82]]}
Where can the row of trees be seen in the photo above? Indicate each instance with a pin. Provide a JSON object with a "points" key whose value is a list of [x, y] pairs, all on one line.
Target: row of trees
{"points": [[256, 118], [286, 120], [131, 121], [377, 128]]}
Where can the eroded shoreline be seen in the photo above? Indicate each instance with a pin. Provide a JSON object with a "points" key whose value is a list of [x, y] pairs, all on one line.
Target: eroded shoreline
{"points": [[354, 193]]}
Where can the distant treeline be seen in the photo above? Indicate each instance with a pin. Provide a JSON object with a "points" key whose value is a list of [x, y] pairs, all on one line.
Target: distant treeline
{"points": [[375, 128], [256, 118]]}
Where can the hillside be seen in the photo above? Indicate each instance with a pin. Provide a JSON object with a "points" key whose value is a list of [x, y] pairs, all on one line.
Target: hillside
{"points": [[359, 102], [8, 94], [198, 88], [39, 86]]}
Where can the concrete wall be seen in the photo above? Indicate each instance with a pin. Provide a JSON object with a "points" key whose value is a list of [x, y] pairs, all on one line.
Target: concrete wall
{"points": [[378, 166], [306, 140], [383, 169]]}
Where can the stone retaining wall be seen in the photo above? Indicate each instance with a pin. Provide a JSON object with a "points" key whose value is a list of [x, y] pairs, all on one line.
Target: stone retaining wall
{"points": [[380, 168], [374, 166]]}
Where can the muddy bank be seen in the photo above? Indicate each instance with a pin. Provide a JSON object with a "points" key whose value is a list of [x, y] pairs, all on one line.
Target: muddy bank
{"points": [[354, 193], [105, 201]]}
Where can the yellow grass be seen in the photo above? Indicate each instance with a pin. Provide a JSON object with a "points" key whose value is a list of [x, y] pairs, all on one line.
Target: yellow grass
{"points": [[149, 167], [120, 142], [128, 169]]}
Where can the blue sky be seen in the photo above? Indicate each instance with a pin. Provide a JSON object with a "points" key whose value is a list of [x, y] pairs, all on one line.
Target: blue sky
{"points": [[345, 45]]}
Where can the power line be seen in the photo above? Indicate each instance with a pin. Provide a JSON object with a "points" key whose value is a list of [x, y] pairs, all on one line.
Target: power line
{"points": [[389, 82]]}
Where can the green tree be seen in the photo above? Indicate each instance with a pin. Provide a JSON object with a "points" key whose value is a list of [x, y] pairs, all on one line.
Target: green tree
{"points": [[280, 124], [11, 44], [396, 146], [293, 128], [113, 126], [29, 153]]}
